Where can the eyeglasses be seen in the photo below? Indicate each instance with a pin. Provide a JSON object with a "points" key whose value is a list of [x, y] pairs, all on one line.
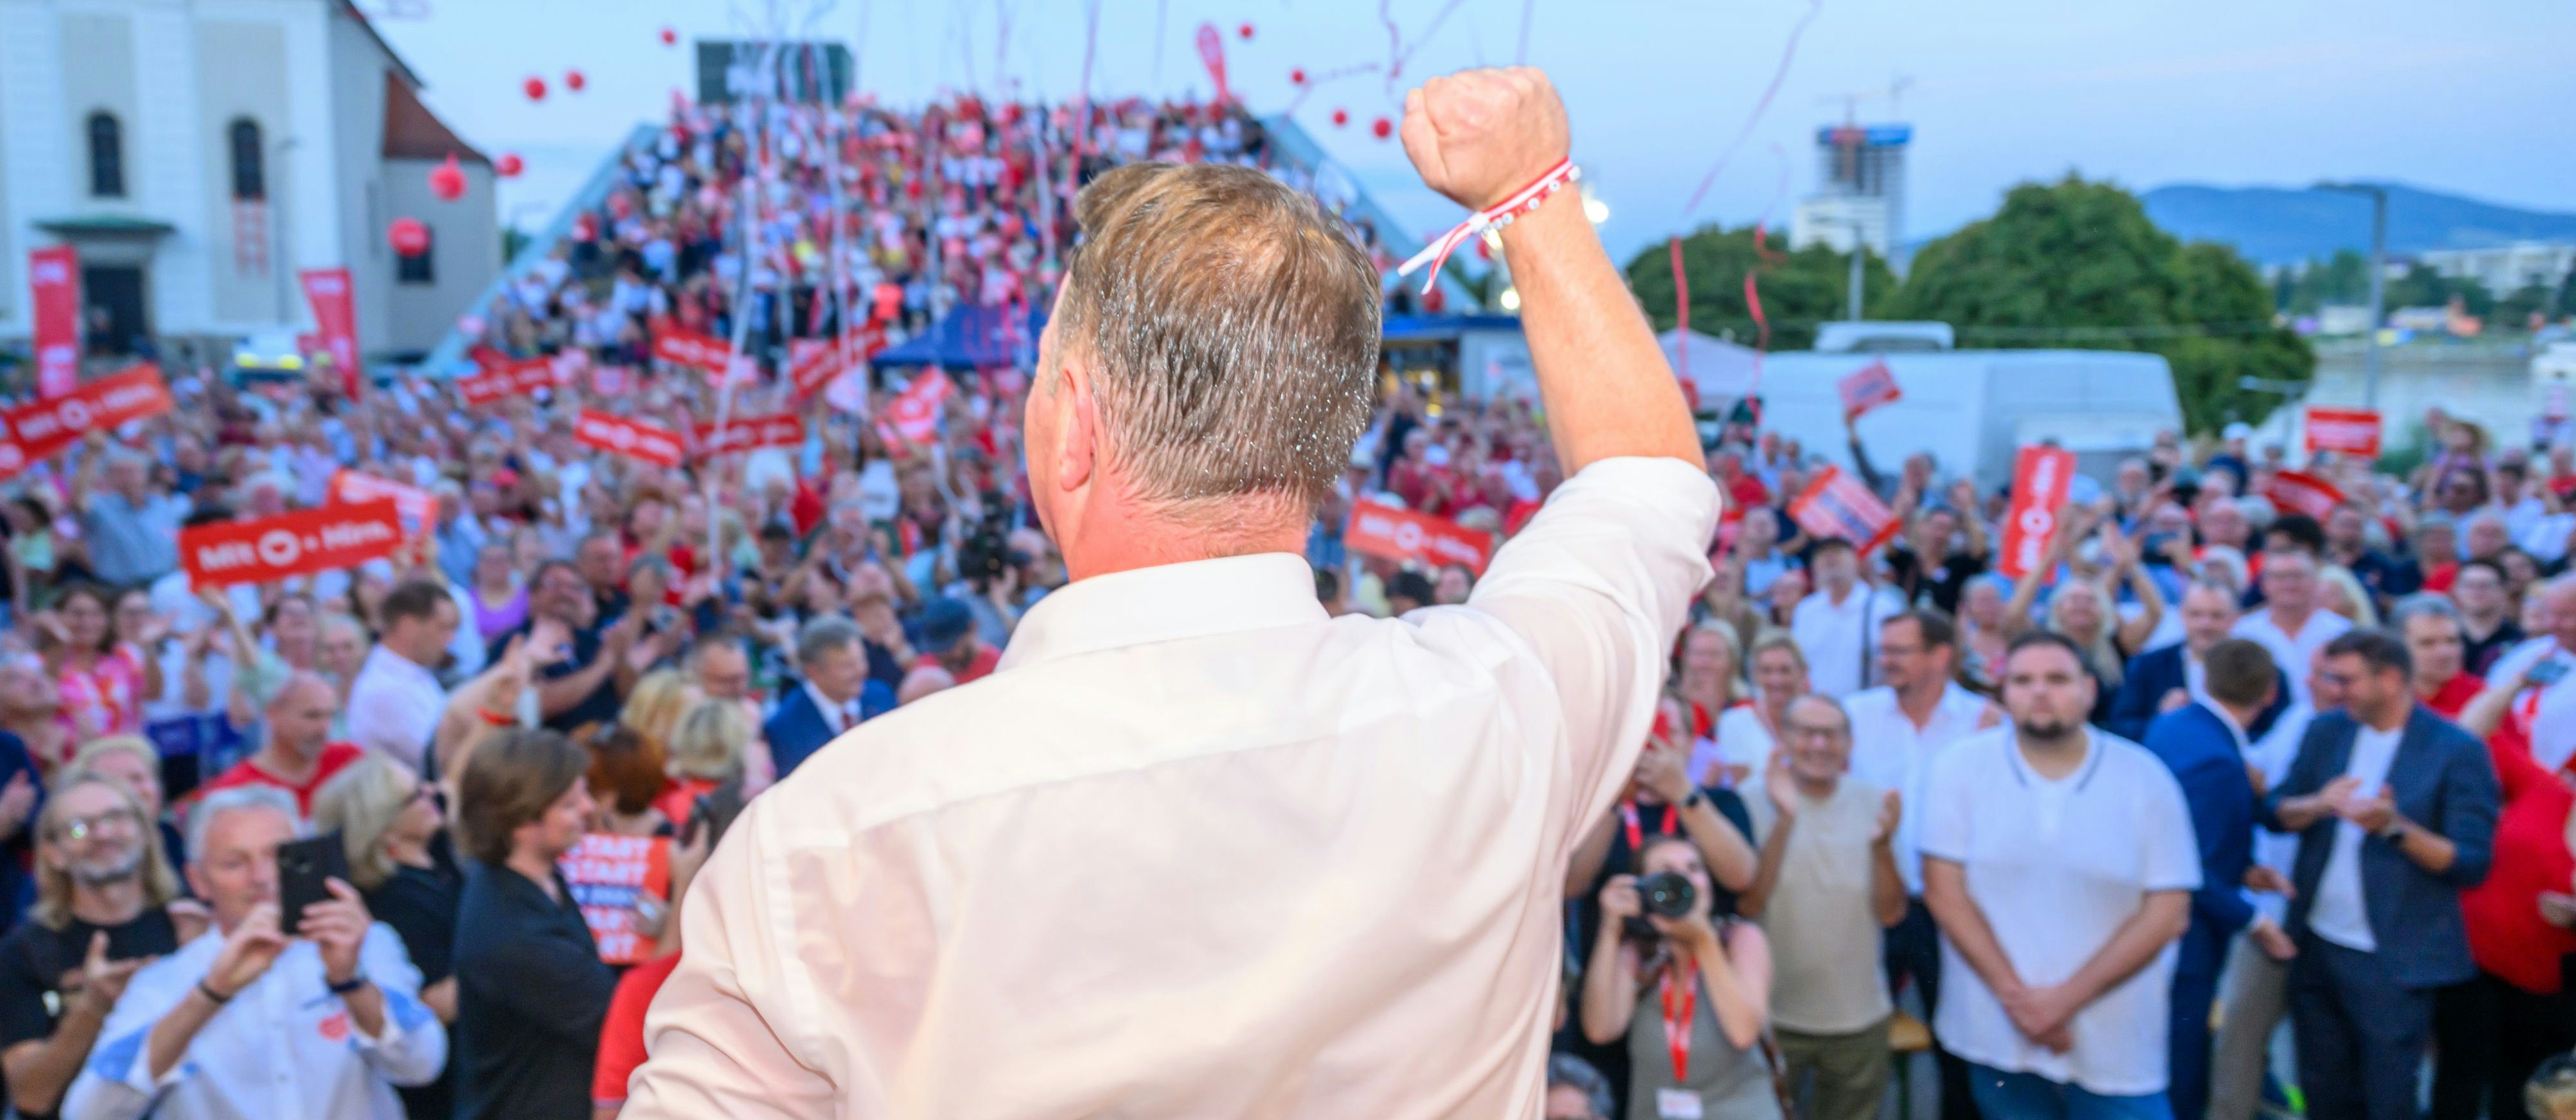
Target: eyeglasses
{"points": [[1799, 731], [79, 829], [429, 793]]}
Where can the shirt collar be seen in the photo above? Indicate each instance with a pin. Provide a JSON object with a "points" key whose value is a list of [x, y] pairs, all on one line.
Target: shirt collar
{"points": [[2233, 727], [1165, 603], [838, 715]]}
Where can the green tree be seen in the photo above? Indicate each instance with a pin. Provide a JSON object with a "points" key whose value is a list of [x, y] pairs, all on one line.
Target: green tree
{"points": [[2078, 264], [1799, 290], [2423, 287], [2345, 278]]}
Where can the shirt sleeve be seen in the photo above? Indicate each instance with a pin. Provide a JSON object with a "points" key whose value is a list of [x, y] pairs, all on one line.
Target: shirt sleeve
{"points": [[116, 1082], [2171, 861], [1598, 585], [412, 1047], [621, 1038]]}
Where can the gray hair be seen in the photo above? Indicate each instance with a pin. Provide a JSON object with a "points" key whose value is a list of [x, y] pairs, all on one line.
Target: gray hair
{"points": [[2215, 586], [823, 635], [1575, 1073], [240, 799], [2424, 604]]}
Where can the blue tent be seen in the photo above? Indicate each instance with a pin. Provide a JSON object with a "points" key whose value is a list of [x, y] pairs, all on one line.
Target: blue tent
{"points": [[972, 338]]}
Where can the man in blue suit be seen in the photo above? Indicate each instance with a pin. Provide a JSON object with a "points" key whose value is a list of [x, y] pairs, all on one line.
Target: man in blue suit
{"points": [[2169, 678], [2204, 743], [835, 695], [2395, 811]]}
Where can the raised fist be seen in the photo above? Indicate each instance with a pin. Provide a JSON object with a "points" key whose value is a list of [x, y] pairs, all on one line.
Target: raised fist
{"points": [[1479, 135]]}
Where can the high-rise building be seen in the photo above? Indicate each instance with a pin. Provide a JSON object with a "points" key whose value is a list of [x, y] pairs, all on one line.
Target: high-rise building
{"points": [[1860, 171]]}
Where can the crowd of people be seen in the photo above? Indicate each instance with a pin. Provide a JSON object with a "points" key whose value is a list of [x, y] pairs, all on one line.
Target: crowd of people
{"points": [[2207, 754]]}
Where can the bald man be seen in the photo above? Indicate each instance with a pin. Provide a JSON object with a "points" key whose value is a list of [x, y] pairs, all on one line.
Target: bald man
{"points": [[296, 752]]}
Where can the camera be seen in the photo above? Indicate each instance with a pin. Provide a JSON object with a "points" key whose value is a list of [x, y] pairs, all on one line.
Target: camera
{"points": [[985, 552], [1666, 895]]}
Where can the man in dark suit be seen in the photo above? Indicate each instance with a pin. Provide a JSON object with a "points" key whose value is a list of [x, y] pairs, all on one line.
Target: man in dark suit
{"points": [[2167, 678], [2204, 743], [835, 695], [2395, 810]]}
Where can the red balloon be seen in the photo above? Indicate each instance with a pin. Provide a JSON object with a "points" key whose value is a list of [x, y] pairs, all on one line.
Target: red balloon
{"points": [[1383, 128], [670, 38], [447, 180], [408, 237], [535, 88], [509, 165], [573, 80], [1297, 77], [1244, 31], [1341, 117]]}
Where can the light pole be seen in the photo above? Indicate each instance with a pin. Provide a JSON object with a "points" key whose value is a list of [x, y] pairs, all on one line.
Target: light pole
{"points": [[274, 183], [2378, 282], [1859, 247]]}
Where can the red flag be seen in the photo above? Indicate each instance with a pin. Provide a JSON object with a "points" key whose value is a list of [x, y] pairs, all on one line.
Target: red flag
{"points": [[1212, 52], [2042, 478], [914, 412], [290, 544], [2348, 431], [335, 317], [683, 347], [745, 433], [1868, 387], [2292, 491], [813, 362], [39, 431], [418, 507], [634, 439], [54, 276], [1837, 505], [1398, 534]]}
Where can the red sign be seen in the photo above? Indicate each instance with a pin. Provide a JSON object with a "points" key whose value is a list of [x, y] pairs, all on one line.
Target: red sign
{"points": [[511, 378], [683, 347], [38, 431], [914, 412], [2344, 431], [812, 362], [54, 276], [745, 433], [419, 508], [2292, 491], [1837, 505], [634, 439], [290, 544], [335, 318], [1212, 52], [2042, 478], [1398, 534], [1868, 387]]}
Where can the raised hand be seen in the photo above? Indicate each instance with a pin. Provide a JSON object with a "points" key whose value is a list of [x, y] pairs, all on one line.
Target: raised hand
{"points": [[338, 928], [17, 800], [1479, 135], [1619, 899], [103, 980], [1891, 809], [248, 951]]}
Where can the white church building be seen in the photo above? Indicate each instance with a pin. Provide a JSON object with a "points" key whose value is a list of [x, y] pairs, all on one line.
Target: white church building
{"points": [[197, 153]]}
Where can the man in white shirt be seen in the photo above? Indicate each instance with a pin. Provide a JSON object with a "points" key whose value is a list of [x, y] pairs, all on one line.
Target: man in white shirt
{"points": [[2395, 811], [2532, 689], [2060, 862], [1898, 729], [1173, 859], [254, 1022], [2290, 625], [1837, 624], [395, 703]]}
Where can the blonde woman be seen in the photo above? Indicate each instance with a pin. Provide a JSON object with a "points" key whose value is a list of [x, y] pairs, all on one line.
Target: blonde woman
{"points": [[2339, 593], [1711, 683], [1748, 731], [393, 828], [707, 750], [655, 705]]}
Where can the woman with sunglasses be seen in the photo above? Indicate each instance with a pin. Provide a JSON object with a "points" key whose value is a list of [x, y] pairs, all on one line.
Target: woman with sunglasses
{"points": [[393, 826]]}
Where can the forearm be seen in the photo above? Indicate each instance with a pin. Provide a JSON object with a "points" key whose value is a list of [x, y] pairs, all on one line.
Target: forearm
{"points": [[1945, 893], [2430, 850], [1886, 884], [170, 1037], [563, 694], [1756, 897], [40, 1072], [2157, 922], [1605, 383], [1585, 866], [440, 998], [366, 1007], [2487, 710], [1739, 1009], [1730, 857], [1608, 997]]}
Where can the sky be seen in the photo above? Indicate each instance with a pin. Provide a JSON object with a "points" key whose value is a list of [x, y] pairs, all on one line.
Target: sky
{"points": [[2469, 99]]}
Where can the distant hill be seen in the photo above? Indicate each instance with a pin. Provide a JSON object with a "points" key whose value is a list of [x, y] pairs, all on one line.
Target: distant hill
{"points": [[2272, 225]]}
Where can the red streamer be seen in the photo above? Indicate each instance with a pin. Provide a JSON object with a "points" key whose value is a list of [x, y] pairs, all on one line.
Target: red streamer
{"points": [[1681, 309], [1788, 55]]}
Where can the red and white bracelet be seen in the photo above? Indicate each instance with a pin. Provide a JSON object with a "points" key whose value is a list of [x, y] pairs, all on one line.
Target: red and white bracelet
{"points": [[1500, 214]]}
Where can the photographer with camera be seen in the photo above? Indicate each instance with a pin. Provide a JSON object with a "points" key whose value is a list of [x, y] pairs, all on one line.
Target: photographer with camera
{"points": [[1688, 992]]}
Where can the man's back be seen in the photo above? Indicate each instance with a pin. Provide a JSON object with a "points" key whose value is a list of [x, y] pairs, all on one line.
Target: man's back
{"points": [[1197, 850]]}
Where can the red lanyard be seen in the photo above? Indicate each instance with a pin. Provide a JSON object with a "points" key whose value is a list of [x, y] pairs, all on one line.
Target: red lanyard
{"points": [[1677, 1014], [1636, 831]]}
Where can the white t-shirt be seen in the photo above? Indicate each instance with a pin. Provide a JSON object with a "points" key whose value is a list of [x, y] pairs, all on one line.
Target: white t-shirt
{"points": [[2057, 867], [1841, 639], [1741, 741], [2293, 651], [2338, 914]]}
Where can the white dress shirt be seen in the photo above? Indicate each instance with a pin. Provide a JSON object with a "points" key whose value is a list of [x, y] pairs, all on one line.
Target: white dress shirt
{"points": [[2293, 652], [841, 716], [2272, 755], [394, 706], [1198, 850], [2057, 866], [1889, 752], [283, 1048], [2338, 914], [1841, 639]]}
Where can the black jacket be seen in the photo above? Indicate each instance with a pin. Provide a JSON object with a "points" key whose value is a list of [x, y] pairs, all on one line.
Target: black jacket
{"points": [[531, 992]]}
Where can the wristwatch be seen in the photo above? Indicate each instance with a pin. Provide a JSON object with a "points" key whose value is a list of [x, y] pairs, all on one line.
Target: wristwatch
{"points": [[1695, 800], [2395, 832], [346, 986]]}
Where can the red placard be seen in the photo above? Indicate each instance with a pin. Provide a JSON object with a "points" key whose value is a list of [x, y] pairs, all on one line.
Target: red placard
{"points": [[745, 433], [813, 362], [1399, 534], [2344, 431], [511, 377], [1868, 387], [38, 431], [914, 412], [335, 319], [290, 544], [2292, 491], [681, 346], [419, 508], [1837, 505], [2042, 478], [634, 439], [53, 275]]}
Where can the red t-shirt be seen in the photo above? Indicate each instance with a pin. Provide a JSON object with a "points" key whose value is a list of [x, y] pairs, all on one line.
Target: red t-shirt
{"points": [[335, 757], [2454, 695], [621, 1035], [987, 659], [680, 798], [607, 874], [2507, 935]]}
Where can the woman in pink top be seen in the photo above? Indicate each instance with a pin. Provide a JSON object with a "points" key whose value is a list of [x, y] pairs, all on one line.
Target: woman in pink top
{"points": [[103, 682]]}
